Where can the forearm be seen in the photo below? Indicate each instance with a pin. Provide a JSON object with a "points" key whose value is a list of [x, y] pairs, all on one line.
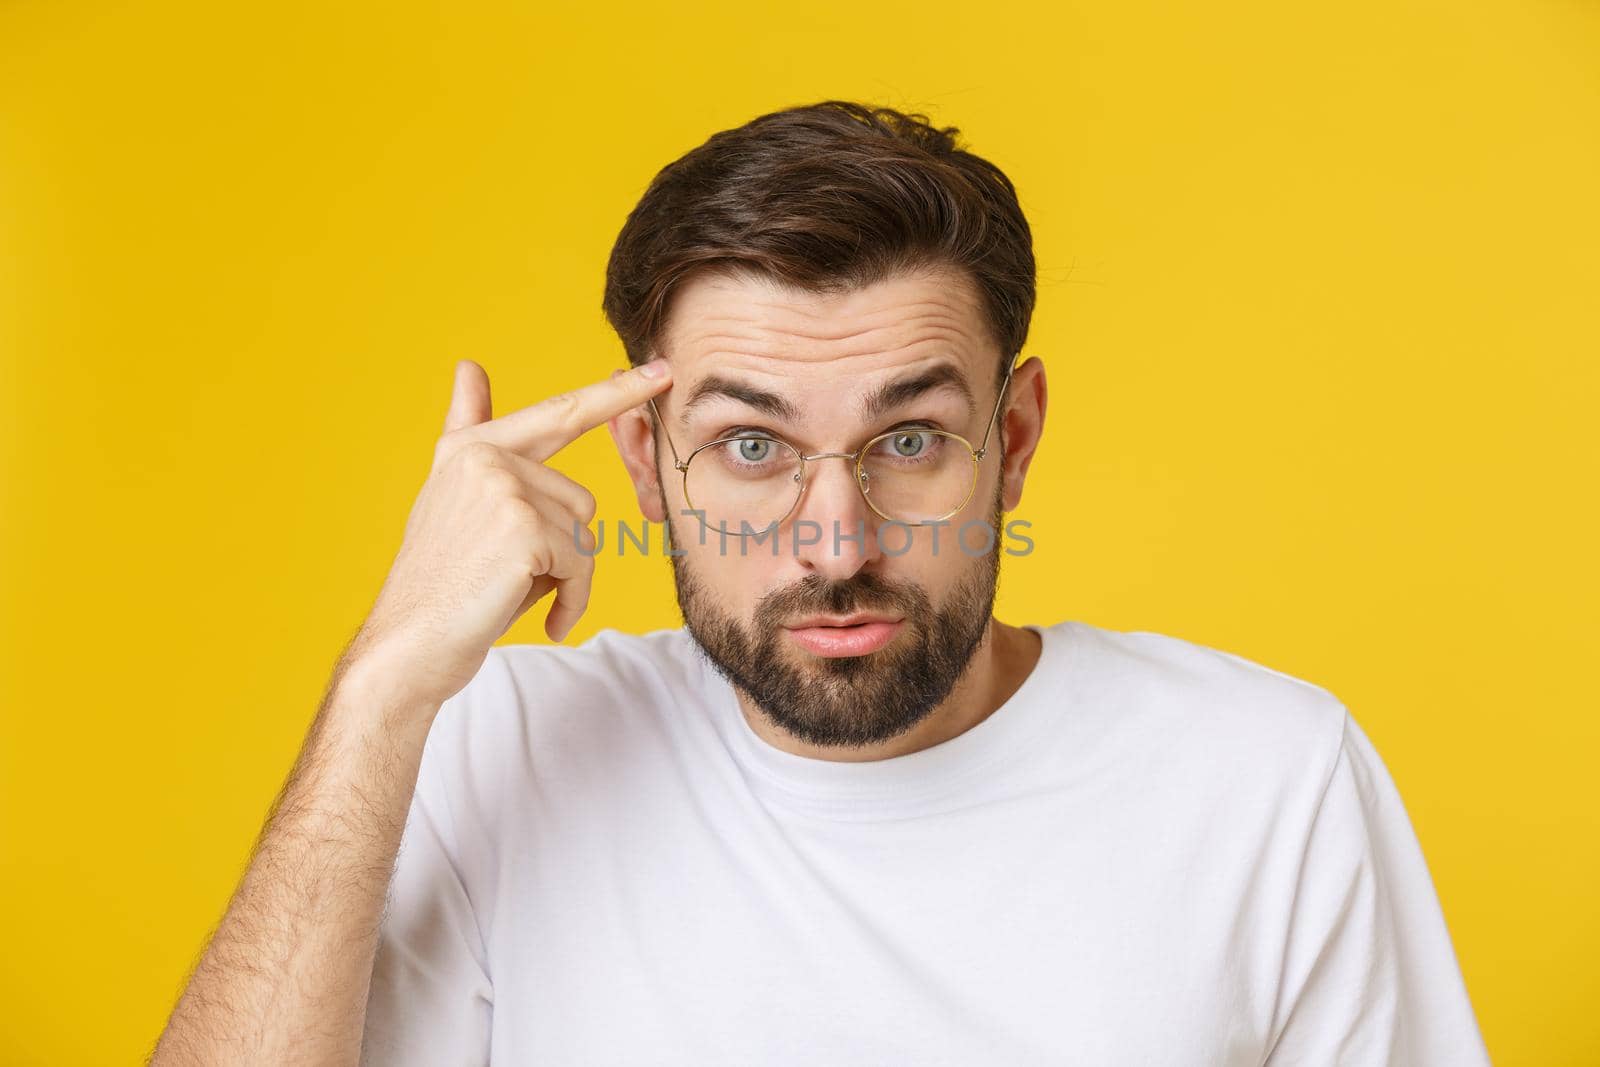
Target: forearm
{"points": [[286, 975]]}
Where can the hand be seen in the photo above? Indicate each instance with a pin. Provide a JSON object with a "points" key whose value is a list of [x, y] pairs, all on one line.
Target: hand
{"points": [[491, 532]]}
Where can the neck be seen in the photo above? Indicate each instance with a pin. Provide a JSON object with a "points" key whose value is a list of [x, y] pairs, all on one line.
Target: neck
{"points": [[1005, 656]]}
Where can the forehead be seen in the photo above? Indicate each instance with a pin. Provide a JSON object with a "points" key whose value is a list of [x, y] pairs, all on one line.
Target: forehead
{"points": [[783, 338]]}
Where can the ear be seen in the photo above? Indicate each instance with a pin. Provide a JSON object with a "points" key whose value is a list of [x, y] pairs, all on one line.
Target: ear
{"points": [[632, 432], [1023, 419]]}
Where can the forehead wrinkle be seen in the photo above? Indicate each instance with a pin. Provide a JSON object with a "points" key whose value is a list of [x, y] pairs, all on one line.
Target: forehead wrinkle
{"points": [[754, 317], [762, 345], [896, 307], [752, 343], [758, 308], [938, 319]]}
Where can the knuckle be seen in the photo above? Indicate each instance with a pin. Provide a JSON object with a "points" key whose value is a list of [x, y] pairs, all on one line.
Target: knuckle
{"points": [[478, 453], [517, 511], [502, 482], [539, 561], [447, 447], [564, 406], [588, 506]]}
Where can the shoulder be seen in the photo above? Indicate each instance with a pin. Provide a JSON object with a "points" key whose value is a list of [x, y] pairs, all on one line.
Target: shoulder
{"points": [[607, 668], [1222, 715], [530, 704], [610, 664]]}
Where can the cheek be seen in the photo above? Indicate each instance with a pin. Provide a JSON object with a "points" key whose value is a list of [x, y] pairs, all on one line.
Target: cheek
{"points": [[934, 575], [736, 579], [938, 556]]}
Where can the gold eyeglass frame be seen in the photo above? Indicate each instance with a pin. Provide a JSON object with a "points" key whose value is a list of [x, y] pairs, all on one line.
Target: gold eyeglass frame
{"points": [[856, 457]]}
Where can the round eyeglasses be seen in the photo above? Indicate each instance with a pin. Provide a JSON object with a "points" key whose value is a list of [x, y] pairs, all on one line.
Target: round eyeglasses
{"points": [[749, 483]]}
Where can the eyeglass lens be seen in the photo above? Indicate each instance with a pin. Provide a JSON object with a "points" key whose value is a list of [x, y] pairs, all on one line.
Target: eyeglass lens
{"points": [[911, 475]]}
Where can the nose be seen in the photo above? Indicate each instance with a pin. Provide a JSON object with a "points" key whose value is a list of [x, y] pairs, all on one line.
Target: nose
{"points": [[835, 533]]}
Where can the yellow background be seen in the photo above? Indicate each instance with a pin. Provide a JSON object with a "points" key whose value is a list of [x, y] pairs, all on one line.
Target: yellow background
{"points": [[1317, 295]]}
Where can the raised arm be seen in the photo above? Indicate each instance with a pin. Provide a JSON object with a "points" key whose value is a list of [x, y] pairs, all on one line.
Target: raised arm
{"points": [[285, 976]]}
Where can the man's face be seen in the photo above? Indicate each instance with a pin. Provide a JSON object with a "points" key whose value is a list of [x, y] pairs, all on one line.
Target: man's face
{"points": [[821, 357]]}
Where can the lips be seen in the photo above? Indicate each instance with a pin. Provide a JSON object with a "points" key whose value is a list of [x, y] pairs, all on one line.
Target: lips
{"points": [[856, 619], [849, 635]]}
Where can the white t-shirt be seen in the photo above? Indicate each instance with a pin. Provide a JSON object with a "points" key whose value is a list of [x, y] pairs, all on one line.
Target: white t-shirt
{"points": [[1154, 853]]}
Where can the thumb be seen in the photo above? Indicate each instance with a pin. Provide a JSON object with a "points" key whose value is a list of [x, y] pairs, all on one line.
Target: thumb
{"points": [[469, 399]]}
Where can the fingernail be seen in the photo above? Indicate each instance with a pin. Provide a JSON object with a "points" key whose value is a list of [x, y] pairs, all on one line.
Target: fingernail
{"points": [[656, 368]]}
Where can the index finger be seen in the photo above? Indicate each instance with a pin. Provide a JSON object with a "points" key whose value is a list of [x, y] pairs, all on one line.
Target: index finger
{"points": [[541, 430]]}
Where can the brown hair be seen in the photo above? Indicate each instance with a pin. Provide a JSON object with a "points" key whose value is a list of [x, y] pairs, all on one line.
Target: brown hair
{"points": [[829, 197]]}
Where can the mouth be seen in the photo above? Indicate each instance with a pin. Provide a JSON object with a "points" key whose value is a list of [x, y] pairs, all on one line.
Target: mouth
{"points": [[849, 635]]}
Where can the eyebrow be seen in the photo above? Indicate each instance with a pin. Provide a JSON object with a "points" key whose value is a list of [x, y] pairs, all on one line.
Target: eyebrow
{"points": [[891, 395], [712, 386], [885, 398]]}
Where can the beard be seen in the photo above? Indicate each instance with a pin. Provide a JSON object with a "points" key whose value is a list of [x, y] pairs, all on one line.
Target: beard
{"points": [[848, 701]]}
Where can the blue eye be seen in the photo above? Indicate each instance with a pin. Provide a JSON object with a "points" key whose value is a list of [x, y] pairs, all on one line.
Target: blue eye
{"points": [[750, 451], [908, 444]]}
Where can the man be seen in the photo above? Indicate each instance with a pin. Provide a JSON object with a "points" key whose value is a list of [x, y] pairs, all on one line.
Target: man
{"points": [[844, 816]]}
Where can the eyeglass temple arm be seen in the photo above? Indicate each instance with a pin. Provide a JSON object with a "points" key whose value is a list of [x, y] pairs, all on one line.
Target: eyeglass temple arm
{"points": [[677, 463], [983, 449]]}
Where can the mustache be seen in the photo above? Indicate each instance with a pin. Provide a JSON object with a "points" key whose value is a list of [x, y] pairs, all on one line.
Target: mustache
{"points": [[862, 592]]}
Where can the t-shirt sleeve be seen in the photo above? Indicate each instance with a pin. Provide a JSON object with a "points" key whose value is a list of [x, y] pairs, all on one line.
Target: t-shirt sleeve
{"points": [[431, 999], [1370, 975]]}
